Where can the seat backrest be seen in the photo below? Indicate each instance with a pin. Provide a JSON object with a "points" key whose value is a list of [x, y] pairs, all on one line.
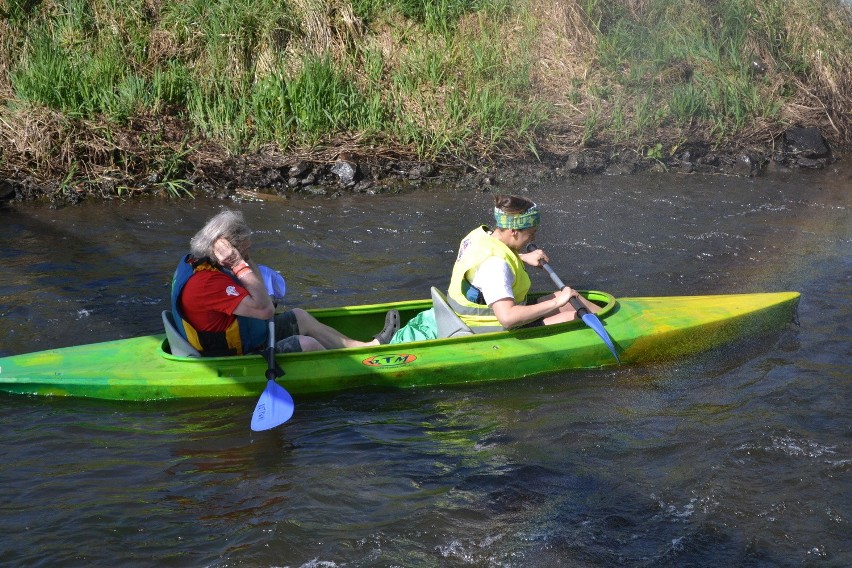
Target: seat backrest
{"points": [[178, 345], [448, 321]]}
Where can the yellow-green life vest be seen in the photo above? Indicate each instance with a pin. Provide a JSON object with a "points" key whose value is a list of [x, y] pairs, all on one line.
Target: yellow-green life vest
{"points": [[476, 248]]}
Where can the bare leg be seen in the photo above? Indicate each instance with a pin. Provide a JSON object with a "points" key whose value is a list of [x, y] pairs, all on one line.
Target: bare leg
{"points": [[327, 336], [309, 344]]}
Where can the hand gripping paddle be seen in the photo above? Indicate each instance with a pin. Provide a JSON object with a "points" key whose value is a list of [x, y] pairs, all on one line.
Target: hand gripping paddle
{"points": [[589, 318]]}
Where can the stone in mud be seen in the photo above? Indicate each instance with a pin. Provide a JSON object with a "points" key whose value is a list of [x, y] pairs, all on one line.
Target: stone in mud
{"points": [[584, 163], [810, 163], [805, 143], [268, 177], [363, 186], [298, 169], [346, 172], [743, 166], [7, 190]]}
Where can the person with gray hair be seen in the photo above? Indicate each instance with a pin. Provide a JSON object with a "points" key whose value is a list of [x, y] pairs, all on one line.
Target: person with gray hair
{"points": [[220, 303]]}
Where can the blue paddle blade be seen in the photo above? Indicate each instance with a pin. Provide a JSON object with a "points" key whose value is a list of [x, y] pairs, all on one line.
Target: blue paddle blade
{"points": [[274, 282], [274, 407], [593, 322]]}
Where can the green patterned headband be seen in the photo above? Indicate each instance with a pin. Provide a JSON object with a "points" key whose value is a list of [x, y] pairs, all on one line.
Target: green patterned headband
{"points": [[526, 220]]}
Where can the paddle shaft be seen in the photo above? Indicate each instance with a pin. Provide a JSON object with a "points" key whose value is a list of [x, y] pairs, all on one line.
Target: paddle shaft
{"points": [[273, 371], [270, 351], [575, 302], [588, 318]]}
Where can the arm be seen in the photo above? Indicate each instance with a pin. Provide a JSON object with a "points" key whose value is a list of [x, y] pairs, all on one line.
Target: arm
{"points": [[510, 314], [257, 304], [495, 279]]}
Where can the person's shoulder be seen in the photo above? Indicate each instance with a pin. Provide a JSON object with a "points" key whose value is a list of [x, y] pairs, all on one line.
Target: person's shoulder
{"points": [[207, 277], [493, 268], [478, 232], [495, 263], [210, 274]]}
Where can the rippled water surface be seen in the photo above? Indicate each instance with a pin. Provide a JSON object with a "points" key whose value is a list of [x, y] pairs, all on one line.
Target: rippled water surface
{"points": [[740, 457]]}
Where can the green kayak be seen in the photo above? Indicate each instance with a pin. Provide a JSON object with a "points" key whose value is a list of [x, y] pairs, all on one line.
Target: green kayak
{"points": [[643, 330]]}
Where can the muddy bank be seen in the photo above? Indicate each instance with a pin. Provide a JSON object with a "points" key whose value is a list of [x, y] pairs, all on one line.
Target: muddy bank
{"points": [[331, 173], [797, 148]]}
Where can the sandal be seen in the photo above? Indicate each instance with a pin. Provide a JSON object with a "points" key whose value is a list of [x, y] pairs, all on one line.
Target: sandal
{"points": [[391, 327]]}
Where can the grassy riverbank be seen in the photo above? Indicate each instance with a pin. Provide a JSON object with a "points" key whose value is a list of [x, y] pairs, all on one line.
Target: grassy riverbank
{"points": [[122, 96]]}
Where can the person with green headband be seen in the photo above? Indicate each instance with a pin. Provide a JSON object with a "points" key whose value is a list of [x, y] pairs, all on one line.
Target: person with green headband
{"points": [[489, 284]]}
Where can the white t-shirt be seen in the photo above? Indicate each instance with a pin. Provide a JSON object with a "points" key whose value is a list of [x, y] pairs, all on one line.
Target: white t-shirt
{"points": [[494, 279]]}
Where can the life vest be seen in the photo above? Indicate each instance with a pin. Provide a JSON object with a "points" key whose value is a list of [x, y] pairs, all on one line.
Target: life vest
{"points": [[475, 248], [244, 335]]}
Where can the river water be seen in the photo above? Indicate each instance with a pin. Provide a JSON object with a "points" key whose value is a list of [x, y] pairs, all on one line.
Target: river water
{"points": [[740, 457]]}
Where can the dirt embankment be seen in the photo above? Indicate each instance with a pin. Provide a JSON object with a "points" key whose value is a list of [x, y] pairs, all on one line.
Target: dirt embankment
{"points": [[334, 171]]}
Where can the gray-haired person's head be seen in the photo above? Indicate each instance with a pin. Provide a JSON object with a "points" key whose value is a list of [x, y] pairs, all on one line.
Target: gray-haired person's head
{"points": [[229, 225]]}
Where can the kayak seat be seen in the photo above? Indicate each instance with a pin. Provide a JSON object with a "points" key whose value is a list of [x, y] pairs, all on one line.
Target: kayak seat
{"points": [[448, 321], [177, 344]]}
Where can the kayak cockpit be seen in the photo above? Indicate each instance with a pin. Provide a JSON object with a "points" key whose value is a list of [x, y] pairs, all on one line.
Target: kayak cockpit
{"points": [[449, 325]]}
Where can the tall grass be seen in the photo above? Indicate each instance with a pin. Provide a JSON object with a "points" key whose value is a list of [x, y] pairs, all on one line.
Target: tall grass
{"points": [[251, 73], [684, 65], [722, 67], [448, 79]]}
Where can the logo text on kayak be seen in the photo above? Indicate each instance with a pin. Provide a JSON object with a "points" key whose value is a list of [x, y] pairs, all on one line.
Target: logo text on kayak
{"points": [[386, 361]]}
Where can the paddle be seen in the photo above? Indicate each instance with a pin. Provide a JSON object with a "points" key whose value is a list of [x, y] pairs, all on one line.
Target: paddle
{"points": [[589, 318], [275, 405]]}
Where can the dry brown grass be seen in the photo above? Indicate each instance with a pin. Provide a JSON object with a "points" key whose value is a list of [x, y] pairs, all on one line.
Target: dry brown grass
{"points": [[564, 69], [46, 145], [565, 46], [328, 28], [6, 48], [824, 96]]}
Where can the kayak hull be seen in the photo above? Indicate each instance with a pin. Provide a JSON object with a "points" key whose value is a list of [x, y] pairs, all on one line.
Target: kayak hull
{"points": [[644, 330]]}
